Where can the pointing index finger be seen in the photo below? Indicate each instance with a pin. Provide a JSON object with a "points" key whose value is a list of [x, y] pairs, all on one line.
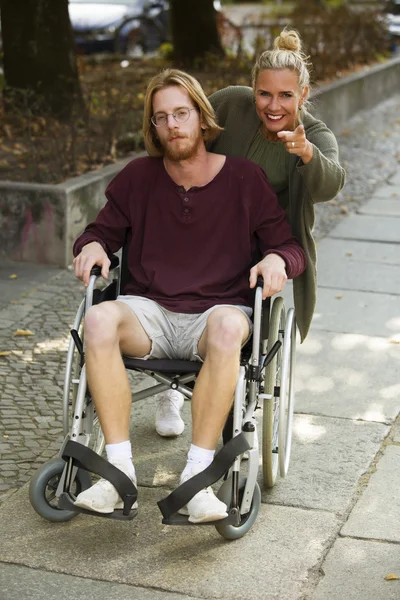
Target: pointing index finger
{"points": [[283, 134]]}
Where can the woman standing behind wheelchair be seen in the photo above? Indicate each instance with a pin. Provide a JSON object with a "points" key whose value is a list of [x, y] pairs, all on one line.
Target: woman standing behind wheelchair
{"points": [[270, 125]]}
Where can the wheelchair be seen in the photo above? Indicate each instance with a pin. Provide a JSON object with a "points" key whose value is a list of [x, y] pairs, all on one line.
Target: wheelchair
{"points": [[265, 384]]}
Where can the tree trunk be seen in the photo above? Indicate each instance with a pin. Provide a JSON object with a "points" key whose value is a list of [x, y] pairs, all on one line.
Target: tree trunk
{"points": [[194, 31], [40, 69]]}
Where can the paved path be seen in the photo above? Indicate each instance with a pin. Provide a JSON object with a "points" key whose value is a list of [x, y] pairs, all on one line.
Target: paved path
{"points": [[329, 531]]}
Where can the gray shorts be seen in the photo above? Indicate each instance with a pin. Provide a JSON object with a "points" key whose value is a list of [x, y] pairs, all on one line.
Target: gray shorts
{"points": [[173, 335]]}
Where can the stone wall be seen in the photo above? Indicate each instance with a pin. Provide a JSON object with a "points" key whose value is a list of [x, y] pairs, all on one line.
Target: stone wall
{"points": [[335, 103], [39, 222]]}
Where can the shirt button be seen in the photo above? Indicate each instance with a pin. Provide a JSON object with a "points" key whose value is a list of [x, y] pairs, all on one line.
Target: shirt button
{"points": [[186, 210], [186, 199]]}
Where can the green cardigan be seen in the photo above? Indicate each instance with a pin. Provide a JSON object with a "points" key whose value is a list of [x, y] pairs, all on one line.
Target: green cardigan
{"points": [[318, 181]]}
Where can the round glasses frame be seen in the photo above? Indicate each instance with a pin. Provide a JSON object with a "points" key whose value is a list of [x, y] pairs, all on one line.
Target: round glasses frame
{"points": [[180, 116]]}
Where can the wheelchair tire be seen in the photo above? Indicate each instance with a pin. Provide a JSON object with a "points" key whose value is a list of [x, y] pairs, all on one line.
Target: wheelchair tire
{"points": [[286, 403], [271, 409], [234, 532], [43, 486]]}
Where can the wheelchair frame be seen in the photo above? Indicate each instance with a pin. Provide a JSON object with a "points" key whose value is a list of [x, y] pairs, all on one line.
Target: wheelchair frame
{"points": [[266, 377]]}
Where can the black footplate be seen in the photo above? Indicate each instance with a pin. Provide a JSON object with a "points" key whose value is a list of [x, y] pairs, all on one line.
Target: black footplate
{"points": [[233, 518], [66, 502]]}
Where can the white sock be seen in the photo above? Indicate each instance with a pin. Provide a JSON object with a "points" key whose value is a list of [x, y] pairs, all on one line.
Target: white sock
{"points": [[198, 459], [121, 453]]}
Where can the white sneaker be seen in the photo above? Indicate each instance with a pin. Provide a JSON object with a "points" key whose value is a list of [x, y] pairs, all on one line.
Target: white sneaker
{"points": [[102, 497], [204, 507], [169, 422]]}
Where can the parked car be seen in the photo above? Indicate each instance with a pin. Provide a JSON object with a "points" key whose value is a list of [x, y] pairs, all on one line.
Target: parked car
{"points": [[393, 17], [131, 27]]}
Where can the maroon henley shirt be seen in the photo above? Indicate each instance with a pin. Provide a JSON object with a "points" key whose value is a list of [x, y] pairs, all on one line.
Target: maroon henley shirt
{"points": [[190, 250]]}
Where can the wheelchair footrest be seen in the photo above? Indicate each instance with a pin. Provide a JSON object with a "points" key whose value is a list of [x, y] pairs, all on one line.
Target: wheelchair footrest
{"points": [[177, 519], [65, 502], [170, 505], [84, 458]]}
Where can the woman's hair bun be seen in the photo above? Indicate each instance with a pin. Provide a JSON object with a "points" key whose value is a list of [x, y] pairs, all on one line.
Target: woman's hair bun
{"points": [[288, 39]]}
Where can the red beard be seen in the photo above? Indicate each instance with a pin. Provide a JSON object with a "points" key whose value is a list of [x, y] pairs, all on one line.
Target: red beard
{"points": [[186, 150]]}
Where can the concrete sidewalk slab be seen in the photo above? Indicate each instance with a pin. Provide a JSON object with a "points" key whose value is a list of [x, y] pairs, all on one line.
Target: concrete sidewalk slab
{"points": [[390, 191], [377, 514], [16, 580], [158, 461], [196, 561], [328, 457], [351, 376], [334, 254], [395, 180], [365, 227], [356, 570], [381, 207], [315, 480], [350, 274], [396, 437], [366, 314]]}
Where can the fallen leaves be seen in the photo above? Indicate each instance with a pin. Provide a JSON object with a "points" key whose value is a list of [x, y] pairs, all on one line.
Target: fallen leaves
{"points": [[13, 276], [5, 353], [23, 332], [391, 577], [8, 131]]}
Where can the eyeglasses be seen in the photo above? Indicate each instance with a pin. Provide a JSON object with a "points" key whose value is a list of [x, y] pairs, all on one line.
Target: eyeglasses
{"points": [[180, 116]]}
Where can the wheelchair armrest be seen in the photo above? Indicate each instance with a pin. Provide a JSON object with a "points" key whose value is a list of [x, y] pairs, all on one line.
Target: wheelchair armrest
{"points": [[96, 270]]}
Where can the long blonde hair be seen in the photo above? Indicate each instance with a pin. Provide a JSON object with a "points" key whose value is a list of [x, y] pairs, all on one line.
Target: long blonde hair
{"points": [[174, 77], [286, 54]]}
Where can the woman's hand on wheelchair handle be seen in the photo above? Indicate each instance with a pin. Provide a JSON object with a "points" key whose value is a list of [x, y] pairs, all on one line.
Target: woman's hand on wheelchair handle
{"points": [[272, 269], [90, 255]]}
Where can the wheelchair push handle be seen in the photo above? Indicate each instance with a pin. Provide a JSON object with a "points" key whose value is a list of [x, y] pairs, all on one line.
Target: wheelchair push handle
{"points": [[96, 270]]}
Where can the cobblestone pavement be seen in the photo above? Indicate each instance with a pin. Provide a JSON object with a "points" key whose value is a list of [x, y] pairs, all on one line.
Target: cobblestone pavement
{"points": [[31, 375]]}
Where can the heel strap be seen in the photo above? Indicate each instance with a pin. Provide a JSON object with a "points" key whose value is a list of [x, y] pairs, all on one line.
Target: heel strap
{"points": [[85, 458]]}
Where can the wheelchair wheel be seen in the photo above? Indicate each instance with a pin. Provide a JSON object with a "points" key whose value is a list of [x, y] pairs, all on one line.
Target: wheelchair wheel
{"points": [[234, 532], [279, 382], [271, 407], [75, 385], [43, 486]]}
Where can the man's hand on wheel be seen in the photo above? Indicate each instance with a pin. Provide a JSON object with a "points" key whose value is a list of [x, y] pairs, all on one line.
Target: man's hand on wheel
{"points": [[92, 254], [272, 270]]}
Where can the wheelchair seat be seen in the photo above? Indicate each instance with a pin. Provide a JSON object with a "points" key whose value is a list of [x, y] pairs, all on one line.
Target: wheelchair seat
{"points": [[176, 367]]}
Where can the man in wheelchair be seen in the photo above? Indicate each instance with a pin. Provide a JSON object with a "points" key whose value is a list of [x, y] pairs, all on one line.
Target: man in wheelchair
{"points": [[193, 222]]}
